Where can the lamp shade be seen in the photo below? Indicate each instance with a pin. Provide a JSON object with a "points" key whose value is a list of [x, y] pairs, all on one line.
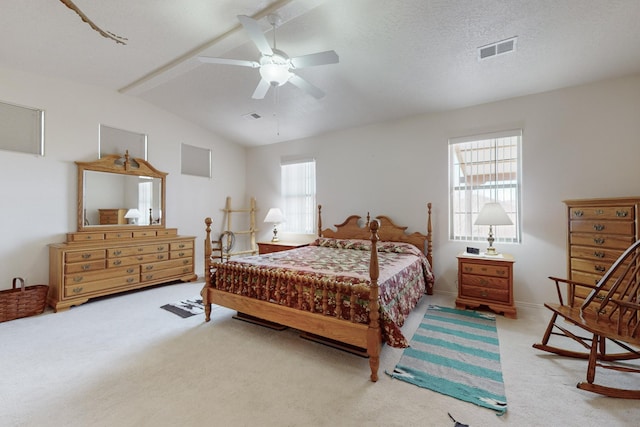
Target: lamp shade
{"points": [[133, 213], [493, 214], [274, 216]]}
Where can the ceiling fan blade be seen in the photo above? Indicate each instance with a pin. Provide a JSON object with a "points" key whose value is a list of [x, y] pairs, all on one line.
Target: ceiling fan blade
{"points": [[313, 59], [261, 90], [241, 62], [255, 34], [312, 90]]}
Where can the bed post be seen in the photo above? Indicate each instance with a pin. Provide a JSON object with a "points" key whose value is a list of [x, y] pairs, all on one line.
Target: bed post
{"points": [[374, 337], [429, 236], [319, 220], [207, 271]]}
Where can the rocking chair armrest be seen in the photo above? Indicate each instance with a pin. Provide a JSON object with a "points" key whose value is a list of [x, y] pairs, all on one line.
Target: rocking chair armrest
{"points": [[569, 282], [627, 304]]}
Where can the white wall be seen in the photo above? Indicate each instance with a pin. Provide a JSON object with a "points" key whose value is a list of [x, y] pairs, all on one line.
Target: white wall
{"points": [[38, 194], [577, 143]]}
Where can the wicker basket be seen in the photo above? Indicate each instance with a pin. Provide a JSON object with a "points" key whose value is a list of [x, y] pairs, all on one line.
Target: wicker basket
{"points": [[22, 301]]}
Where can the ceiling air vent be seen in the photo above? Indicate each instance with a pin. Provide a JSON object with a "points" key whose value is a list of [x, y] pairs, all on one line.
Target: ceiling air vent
{"points": [[498, 48], [251, 116]]}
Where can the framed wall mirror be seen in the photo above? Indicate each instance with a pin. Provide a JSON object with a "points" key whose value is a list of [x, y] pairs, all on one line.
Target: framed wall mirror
{"points": [[120, 192]]}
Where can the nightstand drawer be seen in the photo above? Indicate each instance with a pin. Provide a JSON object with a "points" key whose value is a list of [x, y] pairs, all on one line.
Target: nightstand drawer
{"points": [[485, 281], [484, 269], [501, 295]]}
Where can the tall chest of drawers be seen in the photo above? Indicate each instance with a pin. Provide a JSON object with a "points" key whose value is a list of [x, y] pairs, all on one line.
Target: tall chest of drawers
{"points": [[599, 230], [90, 265]]}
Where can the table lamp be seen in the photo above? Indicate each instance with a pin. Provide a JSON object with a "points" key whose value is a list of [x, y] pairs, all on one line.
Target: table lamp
{"points": [[492, 214], [275, 217]]}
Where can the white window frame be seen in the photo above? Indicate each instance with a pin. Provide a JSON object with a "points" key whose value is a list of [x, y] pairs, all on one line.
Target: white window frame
{"points": [[485, 168], [298, 192]]}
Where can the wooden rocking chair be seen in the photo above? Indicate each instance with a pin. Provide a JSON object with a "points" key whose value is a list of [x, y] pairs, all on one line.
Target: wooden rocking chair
{"points": [[610, 312]]}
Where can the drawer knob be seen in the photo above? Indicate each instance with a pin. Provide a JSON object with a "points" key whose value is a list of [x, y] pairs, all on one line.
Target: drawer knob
{"points": [[181, 245], [599, 254], [598, 240], [181, 254], [86, 256], [622, 214], [149, 267], [484, 293], [117, 252], [578, 213], [484, 282], [86, 267], [599, 212], [160, 248], [468, 269], [130, 270], [149, 276], [117, 262], [501, 272], [78, 279], [600, 268], [130, 280], [598, 227], [78, 289]]}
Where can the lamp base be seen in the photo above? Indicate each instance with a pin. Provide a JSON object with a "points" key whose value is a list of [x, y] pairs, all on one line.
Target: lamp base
{"points": [[492, 251]]}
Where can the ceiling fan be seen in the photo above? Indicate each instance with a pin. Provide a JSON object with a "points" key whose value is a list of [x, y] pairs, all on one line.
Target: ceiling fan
{"points": [[276, 68]]}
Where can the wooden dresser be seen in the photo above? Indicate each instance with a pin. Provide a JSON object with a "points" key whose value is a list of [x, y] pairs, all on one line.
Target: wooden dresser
{"points": [[486, 281], [599, 230], [94, 264]]}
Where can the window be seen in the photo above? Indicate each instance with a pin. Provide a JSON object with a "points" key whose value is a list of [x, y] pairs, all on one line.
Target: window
{"points": [[21, 129], [482, 169], [298, 187]]}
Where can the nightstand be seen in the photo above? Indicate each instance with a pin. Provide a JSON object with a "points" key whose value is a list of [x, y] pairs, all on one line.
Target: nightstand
{"points": [[486, 281], [269, 247]]}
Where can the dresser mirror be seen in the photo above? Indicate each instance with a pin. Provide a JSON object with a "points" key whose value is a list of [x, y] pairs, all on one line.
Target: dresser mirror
{"points": [[119, 192]]}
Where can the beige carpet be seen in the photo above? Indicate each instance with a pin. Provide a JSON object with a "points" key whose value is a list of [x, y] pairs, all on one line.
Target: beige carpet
{"points": [[123, 361]]}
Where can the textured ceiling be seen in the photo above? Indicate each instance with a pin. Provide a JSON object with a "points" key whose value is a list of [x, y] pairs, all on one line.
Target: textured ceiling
{"points": [[397, 57]]}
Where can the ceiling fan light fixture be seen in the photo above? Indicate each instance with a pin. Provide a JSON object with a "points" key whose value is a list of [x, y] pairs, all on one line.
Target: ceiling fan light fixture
{"points": [[275, 74]]}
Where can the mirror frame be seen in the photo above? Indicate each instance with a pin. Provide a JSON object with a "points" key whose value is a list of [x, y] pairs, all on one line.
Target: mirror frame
{"points": [[122, 165]]}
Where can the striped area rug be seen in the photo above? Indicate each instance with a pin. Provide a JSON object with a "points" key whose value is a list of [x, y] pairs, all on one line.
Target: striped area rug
{"points": [[456, 353]]}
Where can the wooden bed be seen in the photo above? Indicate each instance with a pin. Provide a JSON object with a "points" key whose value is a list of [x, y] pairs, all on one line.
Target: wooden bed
{"points": [[234, 286]]}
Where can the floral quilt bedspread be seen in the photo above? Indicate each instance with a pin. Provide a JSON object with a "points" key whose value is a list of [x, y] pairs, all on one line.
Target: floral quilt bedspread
{"points": [[404, 275]]}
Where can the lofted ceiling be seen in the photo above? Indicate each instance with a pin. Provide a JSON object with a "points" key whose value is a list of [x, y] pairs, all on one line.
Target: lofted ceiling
{"points": [[397, 57]]}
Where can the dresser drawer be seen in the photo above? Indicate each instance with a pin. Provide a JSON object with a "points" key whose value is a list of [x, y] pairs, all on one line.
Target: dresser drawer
{"points": [[187, 244], [135, 260], [603, 227], [595, 254], [485, 293], [181, 253], [92, 276], [138, 250], [145, 233], [622, 212], [84, 255], [144, 268], [485, 269], [114, 235], [77, 289], [161, 274], [84, 266], [589, 266], [601, 240]]}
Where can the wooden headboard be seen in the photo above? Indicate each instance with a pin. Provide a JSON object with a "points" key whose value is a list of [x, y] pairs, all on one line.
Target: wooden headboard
{"points": [[388, 231]]}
